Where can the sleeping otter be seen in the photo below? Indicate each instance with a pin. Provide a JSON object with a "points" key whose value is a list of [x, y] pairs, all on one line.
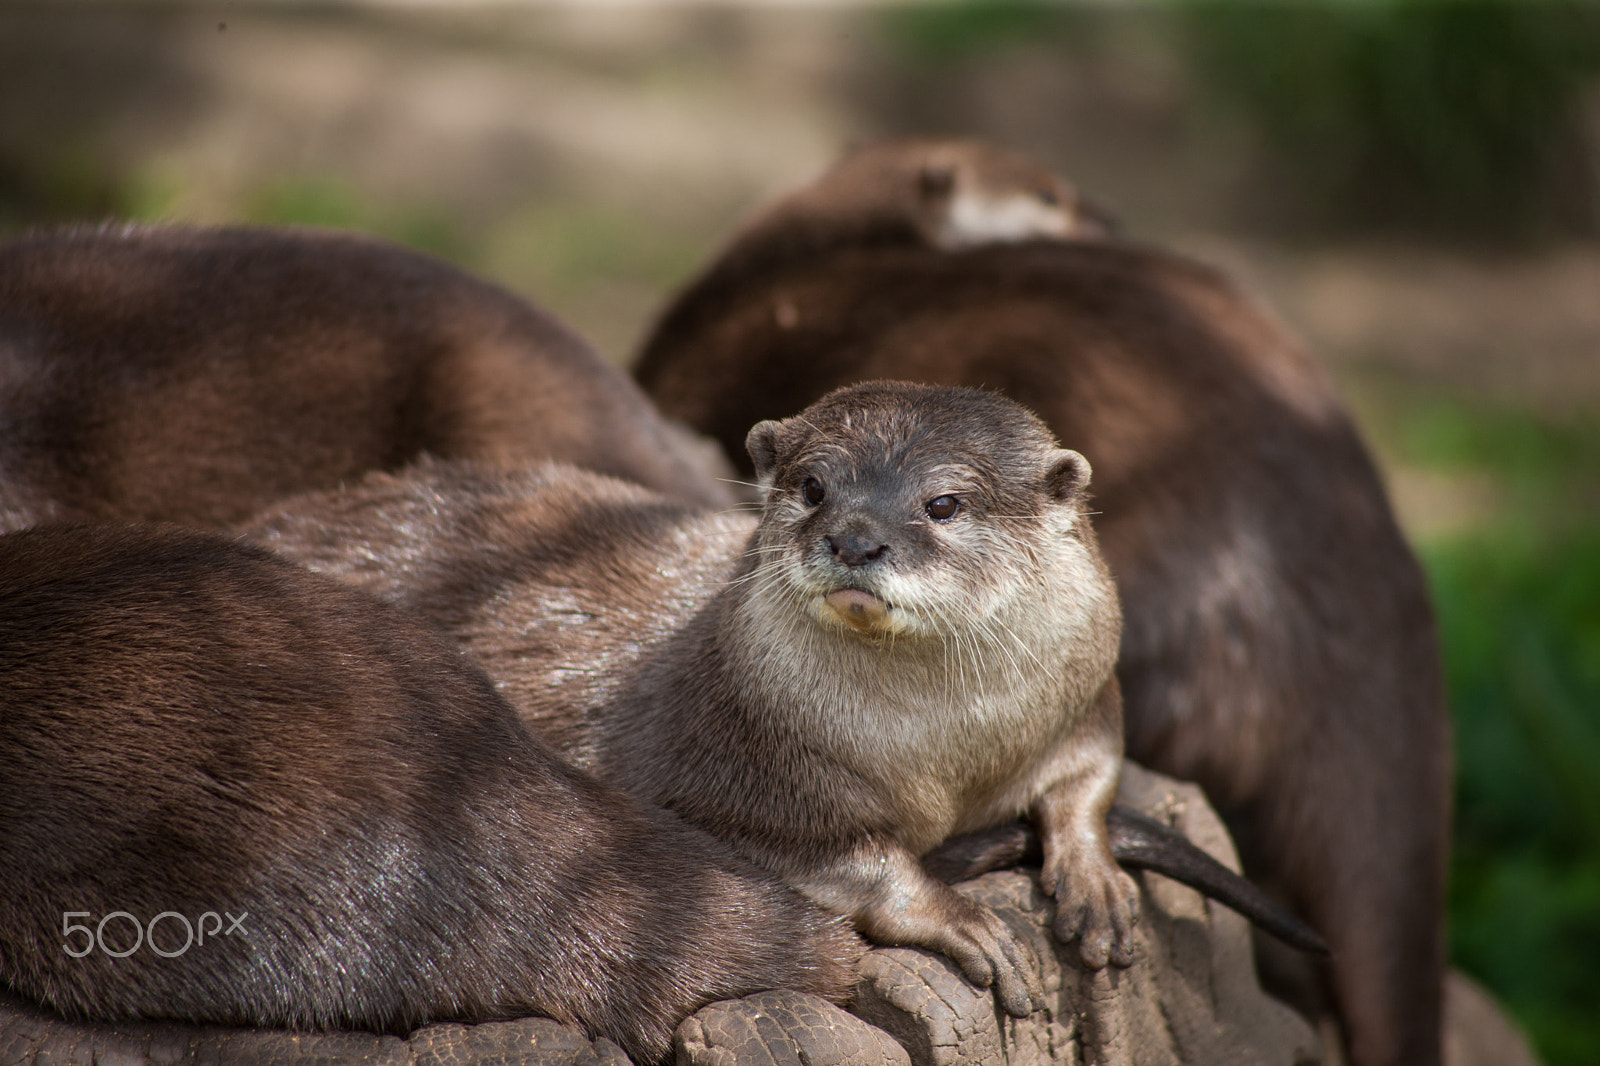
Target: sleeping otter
{"points": [[949, 194], [238, 792]]}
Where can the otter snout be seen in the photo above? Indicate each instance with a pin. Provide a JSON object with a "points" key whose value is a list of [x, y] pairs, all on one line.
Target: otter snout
{"points": [[855, 549]]}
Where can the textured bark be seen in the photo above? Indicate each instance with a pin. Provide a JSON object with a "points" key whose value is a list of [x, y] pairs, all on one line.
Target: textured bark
{"points": [[783, 1028], [31, 1037]]}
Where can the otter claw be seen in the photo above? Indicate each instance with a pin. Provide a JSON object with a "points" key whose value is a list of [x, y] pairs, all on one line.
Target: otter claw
{"points": [[989, 955], [1016, 1000], [1017, 985]]}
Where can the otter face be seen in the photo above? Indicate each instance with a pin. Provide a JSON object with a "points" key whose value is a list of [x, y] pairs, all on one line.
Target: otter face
{"points": [[974, 194], [896, 510]]}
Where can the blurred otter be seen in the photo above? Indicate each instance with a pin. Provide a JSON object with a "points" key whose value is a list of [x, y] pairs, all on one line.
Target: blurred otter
{"points": [[948, 194], [836, 689], [194, 375], [1278, 646], [238, 792]]}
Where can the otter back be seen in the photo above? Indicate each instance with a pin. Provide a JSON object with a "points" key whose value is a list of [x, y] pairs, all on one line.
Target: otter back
{"points": [[194, 375]]}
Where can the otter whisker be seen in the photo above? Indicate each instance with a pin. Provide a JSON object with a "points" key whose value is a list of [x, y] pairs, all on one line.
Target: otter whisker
{"points": [[987, 630], [1022, 644]]}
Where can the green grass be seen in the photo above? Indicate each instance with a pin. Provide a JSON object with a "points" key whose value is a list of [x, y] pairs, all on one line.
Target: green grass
{"points": [[947, 31], [1518, 599], [599, 267], [1454, 118], [334, 204]]}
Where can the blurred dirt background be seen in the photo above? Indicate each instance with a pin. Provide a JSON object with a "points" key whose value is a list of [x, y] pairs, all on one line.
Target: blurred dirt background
{"points": [[1414, 184]]}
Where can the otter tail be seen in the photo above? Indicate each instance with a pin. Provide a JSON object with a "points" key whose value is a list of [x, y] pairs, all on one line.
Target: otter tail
{"points": [[1138, 842]]}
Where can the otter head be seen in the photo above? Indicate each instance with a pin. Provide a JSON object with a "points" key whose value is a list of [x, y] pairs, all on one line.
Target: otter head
{"points": [[893, 509], [970, 194]]}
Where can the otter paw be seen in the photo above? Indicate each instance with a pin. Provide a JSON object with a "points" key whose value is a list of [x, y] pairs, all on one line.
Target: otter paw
{"points": [[989, 953], [1097, 904]]}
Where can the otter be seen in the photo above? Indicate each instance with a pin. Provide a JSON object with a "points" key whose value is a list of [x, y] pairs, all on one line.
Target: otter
{"points": [[241, 793], [939, 192], [1278, 645], [193, 375], [837, 688]]}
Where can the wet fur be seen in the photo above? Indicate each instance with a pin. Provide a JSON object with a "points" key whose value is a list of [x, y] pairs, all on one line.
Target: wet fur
{"points": [[1278, 648], [682, 657], [192, 726], [194, 375]]}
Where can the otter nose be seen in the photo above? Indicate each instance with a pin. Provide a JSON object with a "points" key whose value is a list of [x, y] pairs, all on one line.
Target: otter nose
{"points": [[854, 549]]}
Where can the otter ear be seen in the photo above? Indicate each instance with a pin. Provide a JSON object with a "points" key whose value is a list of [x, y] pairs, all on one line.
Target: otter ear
{"points": [[1067, 475], [936, 179], [762, 444]]}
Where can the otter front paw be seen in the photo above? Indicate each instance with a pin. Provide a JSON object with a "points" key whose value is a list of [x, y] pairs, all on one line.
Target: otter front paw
{"points": [[1097, 904], [989, 953], [892, 900]]}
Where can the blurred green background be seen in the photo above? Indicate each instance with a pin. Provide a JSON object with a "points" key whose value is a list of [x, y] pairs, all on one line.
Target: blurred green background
{"points": [[1414, 184]]}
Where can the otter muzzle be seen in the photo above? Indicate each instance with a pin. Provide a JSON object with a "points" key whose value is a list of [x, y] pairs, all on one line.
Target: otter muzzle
{"points": [[858, 609]]}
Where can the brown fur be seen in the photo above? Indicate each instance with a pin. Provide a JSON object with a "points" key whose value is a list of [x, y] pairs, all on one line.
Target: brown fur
{"points": [[195, 375], [834, 744], [193, 726], [1279, 647]]}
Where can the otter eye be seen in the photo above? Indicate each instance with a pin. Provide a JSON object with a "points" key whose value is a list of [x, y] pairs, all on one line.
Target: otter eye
{"points": [[812, 492], [943, 508], [936, 180], [1049, 197]]}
